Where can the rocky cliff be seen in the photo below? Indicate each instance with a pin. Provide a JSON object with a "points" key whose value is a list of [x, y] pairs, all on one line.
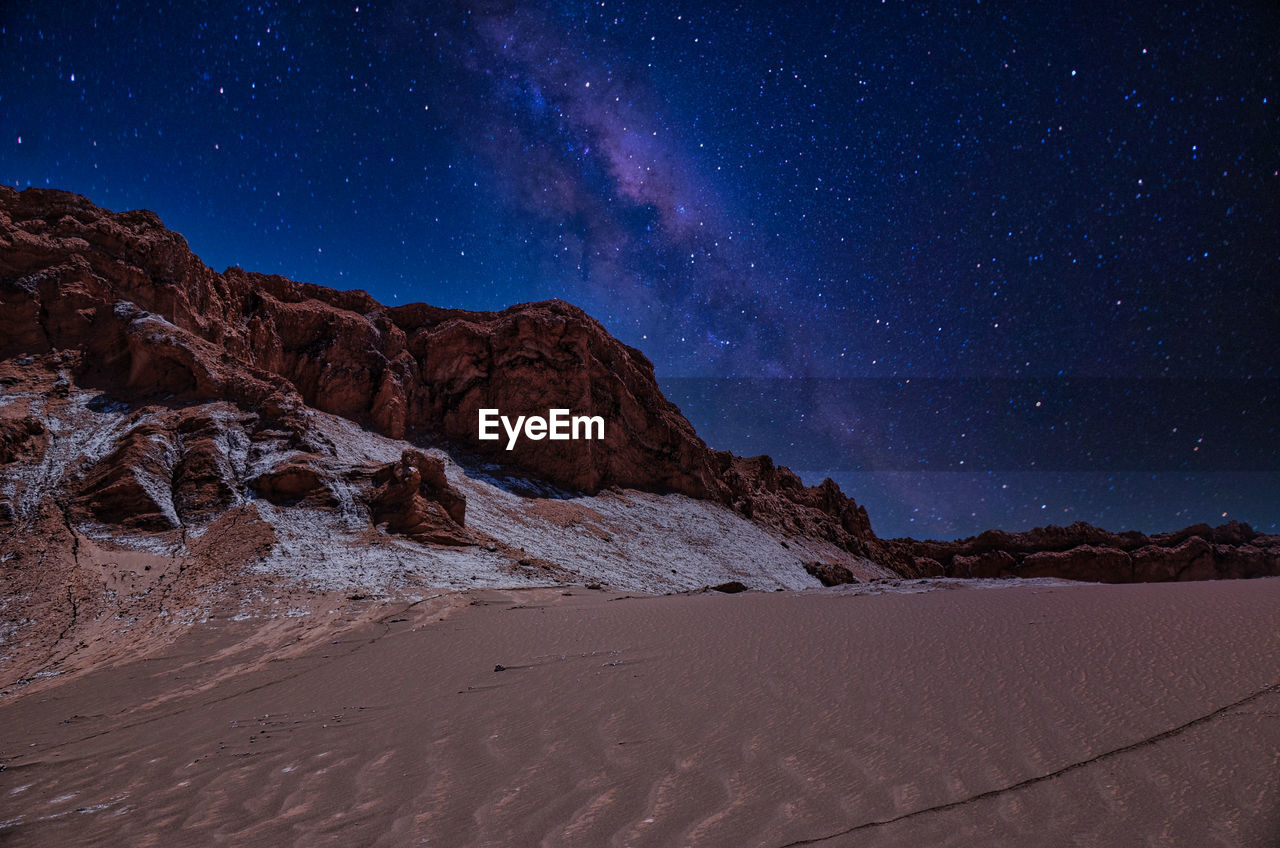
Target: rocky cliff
{"points": [[1084, 552], [144, 395], [124, 306]]}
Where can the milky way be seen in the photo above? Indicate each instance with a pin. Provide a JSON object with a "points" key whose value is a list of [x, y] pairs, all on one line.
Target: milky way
{"points": [[1059, 224]]}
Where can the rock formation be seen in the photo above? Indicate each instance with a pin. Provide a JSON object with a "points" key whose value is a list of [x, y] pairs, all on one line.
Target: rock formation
{"points": [[414, 498], [123, 304], [1084, 552], [145, 394]]}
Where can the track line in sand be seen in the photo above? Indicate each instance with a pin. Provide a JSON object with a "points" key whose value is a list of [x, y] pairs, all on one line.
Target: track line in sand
{"points": [[1031, 781]]}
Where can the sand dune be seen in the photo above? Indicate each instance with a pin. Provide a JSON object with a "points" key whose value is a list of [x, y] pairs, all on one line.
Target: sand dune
{"points": [[1038, 714]]}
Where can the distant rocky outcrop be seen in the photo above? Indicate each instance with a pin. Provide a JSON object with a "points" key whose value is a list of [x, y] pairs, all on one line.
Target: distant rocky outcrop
{"points": [[1084, 552]]}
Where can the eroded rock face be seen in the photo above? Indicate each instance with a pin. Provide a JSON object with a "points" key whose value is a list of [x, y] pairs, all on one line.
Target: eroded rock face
{"points": [[1083, 552], [774, 495], [294, 481], [161, 475], [830, 573], [413, 498], [152, 319], [1085, 562], [984, 564], [132, 486], [221, 370], [131, 309], [24, 439], [21, 438], [203, 476]]}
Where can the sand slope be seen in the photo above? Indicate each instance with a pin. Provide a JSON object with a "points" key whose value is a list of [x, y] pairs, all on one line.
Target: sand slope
{"points": [[1035, 714]]}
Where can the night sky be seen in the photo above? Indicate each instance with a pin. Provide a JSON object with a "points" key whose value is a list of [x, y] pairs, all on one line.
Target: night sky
{"points": [[985, 264]]}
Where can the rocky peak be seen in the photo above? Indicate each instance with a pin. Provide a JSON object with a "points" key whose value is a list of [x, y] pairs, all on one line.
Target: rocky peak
{"points": [[127, 306]]}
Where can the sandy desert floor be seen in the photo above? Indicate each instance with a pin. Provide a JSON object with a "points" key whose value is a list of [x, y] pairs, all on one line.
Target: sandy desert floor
{"points": [[1030, 714]]}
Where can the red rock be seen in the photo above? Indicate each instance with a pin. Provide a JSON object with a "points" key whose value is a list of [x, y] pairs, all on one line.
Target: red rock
{"points": [[413, 498], [131, 486], [1086, 562], [984, 564], [927, 567], [774, 495], [92, 298], [294, 481], [831, 573], [203, 485], [145, 317], [1084, 552], [1192, 559], [21, 438]]}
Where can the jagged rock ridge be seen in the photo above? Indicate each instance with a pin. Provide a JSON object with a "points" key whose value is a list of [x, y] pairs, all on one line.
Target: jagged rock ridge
{"points": [[1084, 552]]}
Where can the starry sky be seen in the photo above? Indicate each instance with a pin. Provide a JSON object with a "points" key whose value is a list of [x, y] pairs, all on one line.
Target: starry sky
{"points": [[985, 264]]}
